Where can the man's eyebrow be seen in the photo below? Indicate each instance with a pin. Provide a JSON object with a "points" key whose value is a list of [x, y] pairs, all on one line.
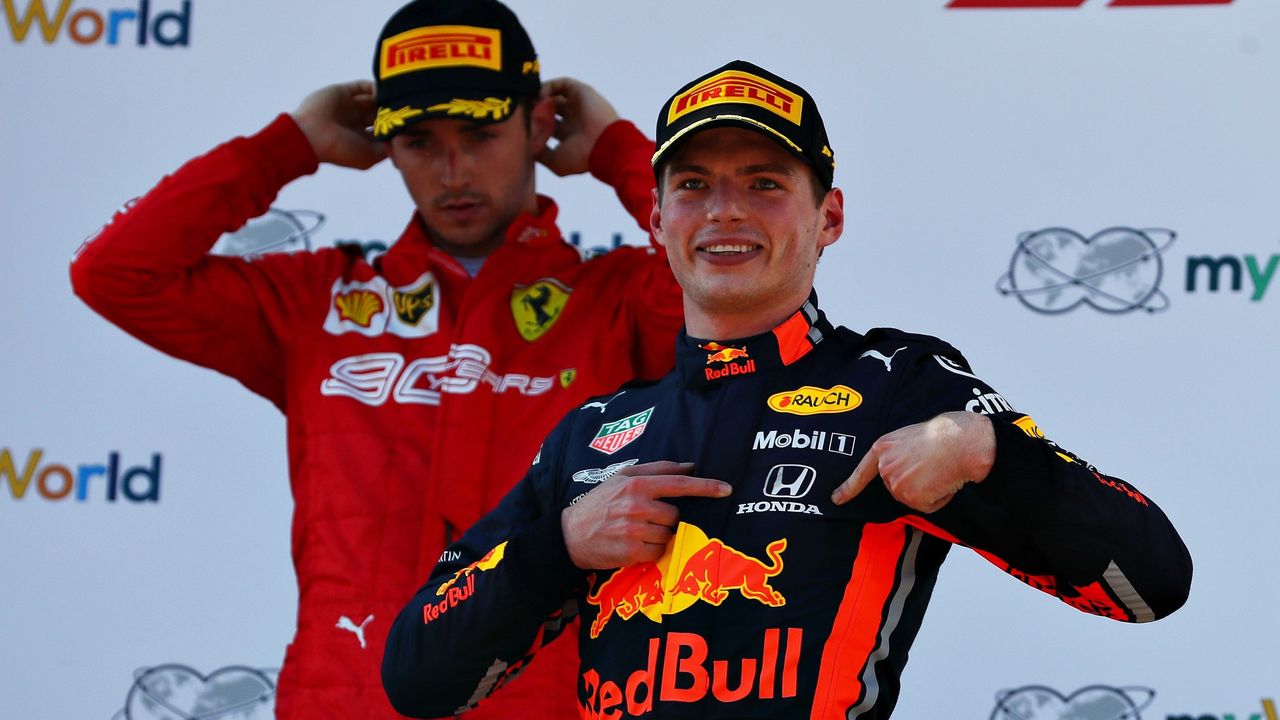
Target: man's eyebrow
{"points": [[688, 168], [775, 168], [422, 129]]}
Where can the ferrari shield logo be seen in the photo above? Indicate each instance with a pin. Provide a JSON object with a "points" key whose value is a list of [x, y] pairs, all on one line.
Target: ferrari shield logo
{"points": [[567, 377], [536, 307]]}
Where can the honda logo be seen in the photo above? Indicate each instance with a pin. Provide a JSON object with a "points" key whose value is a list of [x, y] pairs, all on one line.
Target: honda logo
{"points": [[789, 481]]}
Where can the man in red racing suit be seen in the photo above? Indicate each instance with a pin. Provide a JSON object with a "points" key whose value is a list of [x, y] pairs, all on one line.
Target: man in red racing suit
{"points": [[769, 576], [395, 374]]}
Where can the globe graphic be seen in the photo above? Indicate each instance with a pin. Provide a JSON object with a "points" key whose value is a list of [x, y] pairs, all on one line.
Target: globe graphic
{"points": [[1117, 270], [1095, 702], [177, 692], [275, 231]]}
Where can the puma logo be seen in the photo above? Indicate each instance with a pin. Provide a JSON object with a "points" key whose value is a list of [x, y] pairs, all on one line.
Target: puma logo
{"points": [[603, 405], [888, 361], [345, 623]]}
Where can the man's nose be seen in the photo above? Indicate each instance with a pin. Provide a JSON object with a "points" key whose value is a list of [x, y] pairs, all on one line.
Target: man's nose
{"points": [[725, 203], [455, 167]]}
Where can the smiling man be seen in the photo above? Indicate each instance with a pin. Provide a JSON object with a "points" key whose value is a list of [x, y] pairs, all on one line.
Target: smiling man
{"points": [[417, 384], [782, 567]]}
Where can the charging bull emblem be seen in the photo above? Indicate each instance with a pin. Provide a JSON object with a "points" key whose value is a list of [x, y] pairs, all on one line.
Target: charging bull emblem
{"points": [[694, 567]]}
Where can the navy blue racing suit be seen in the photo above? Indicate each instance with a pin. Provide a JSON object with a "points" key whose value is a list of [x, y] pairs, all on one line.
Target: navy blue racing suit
{"points": [[773, 602]]}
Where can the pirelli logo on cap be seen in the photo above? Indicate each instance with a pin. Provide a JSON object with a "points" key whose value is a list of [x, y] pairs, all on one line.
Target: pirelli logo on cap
{"points": [[734, 86], [440, 46]]}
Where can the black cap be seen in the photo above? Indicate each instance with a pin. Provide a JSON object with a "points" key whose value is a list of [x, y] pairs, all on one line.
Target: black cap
{"points": [[466, 59], [745, 95]]}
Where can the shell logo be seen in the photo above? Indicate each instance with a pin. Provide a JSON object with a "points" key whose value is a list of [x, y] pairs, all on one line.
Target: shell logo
{"points": [[358, 306]]}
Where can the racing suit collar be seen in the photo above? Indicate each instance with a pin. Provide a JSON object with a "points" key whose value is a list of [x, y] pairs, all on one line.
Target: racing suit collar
{"points": [[701, 362], [414, 247]]}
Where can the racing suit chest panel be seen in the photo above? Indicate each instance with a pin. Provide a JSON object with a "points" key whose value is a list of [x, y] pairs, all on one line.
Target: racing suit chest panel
{"points": [[748, 574]]}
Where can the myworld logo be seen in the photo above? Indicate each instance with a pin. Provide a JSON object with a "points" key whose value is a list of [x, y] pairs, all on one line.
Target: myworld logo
{"points": [[109, 481], [141, 25], [1120, 269]]}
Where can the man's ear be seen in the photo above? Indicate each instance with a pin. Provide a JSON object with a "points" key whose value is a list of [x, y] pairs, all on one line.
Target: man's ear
{"points": [[655, 218], [390, 145], [542, 122], [832, 209]]}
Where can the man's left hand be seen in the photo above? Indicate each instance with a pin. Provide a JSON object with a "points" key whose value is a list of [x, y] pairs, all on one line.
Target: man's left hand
{"points": [[581, 115], [925, 465]]}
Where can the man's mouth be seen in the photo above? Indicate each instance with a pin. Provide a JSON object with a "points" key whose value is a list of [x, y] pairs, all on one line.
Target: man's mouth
{"points": [[728, 249]]}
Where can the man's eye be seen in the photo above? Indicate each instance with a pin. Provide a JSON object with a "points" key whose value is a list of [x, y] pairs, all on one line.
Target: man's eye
{"points": [[691, 184], [766, 184]]}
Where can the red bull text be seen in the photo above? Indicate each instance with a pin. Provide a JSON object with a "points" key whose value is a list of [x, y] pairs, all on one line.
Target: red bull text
{"points": [[454, 593], [731, 369], [678, 669]]}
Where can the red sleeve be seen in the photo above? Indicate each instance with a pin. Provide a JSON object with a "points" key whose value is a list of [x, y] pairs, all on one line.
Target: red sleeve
{"points": [[654, 303], [148, 270], [621, 159]]}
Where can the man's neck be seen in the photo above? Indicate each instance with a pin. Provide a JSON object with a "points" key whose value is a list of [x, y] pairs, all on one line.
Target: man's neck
{"points": [[717, 324]]}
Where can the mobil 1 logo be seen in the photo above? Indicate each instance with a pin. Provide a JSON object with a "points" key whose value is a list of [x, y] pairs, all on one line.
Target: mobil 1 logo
{"points": [[838, 443]]}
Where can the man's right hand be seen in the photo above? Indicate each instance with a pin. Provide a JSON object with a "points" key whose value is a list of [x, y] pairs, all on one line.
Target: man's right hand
{"points": [[624, 521], [336, 120]]}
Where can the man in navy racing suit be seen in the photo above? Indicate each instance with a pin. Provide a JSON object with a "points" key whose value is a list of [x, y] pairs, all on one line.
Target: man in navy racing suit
{"points": [[757, 534]]}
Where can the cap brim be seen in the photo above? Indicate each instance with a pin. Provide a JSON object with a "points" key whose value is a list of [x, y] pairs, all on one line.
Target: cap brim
{"points": [[483, 107], [725, 120]]}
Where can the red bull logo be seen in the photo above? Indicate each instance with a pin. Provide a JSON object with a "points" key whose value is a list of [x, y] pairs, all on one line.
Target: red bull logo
{"points": [[440, 46], [729, 370], [453, 592], [723, 353], [693, 568], [729, 356], [679, 669]]}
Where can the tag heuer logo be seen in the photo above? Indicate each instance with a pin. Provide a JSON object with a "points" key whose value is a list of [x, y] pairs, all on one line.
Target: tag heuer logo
{"points": [[613, 436]]}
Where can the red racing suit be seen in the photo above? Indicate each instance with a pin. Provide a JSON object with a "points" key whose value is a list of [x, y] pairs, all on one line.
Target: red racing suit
{"points": [[773, 602], [393, 375]]}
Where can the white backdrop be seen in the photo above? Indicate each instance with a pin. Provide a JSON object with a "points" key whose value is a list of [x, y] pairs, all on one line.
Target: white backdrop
{"points": [[957, 132]]}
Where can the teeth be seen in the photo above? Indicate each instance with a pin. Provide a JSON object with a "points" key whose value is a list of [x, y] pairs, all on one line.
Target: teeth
{"points": [[725, 249]]}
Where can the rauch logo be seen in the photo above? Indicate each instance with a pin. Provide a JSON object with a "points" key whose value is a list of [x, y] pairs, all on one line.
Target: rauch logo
{"points": [[109, 481], [87, 26]]}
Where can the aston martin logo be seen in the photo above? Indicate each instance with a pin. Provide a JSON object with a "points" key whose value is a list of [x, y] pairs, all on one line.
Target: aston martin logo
{"points": [[536, 307]]}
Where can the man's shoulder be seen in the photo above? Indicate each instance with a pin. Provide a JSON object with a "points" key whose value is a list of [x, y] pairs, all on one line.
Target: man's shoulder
{"points": [[881, 340], [630, 398]]}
